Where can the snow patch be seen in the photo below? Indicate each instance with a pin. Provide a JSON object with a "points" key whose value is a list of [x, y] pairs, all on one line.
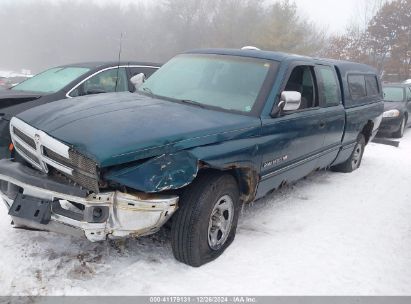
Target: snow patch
{"points": [[328, 234]]}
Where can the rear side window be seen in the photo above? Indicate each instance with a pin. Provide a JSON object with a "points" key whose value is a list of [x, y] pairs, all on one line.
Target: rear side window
{"points": [[328, 86], [371, 85], [356, 84]]}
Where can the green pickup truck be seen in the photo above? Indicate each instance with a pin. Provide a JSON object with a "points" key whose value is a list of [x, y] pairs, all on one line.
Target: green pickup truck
{"points": [[209, 131]]}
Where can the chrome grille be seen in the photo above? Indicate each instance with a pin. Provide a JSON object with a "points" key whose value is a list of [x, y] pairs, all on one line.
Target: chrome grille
{"points": [[48, 154], [84, 181], [27, 139], [26, 152], [84, 169]]}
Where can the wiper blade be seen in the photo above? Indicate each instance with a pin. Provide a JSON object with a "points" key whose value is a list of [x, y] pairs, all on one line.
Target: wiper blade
{"points": [[147, 90], [196, 103]]}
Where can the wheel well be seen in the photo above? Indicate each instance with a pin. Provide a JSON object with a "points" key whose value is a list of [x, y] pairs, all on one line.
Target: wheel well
{"points": [[367, 131], [245, 177]]}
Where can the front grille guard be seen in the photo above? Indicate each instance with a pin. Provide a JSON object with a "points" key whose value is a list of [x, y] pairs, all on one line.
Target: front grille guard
{"points": [[23, 136]]}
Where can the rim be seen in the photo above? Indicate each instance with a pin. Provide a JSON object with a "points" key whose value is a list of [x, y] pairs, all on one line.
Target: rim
{"points": [[221, 220], [356, 157]]}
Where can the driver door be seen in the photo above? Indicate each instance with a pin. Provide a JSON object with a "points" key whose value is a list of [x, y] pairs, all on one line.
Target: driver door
{"points": [[292, 140]]}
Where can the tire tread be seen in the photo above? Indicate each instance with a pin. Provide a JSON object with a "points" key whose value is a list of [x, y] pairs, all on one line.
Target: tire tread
{"points": [[183, 226]]}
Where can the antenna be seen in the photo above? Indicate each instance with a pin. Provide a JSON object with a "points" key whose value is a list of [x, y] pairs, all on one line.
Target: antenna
{"points": [[119, 58]]}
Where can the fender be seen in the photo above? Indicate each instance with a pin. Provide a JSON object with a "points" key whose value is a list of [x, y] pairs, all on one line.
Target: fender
{"points": [[164, 172], [176, 170]]}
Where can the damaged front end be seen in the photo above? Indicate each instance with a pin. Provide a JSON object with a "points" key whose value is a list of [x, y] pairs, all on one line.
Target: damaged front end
{"points": [[36, 201], [62, 192]]}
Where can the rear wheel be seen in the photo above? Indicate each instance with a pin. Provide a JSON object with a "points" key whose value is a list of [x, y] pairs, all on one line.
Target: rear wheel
{"points": [[354, 161], [206, 221], [400, 132]]}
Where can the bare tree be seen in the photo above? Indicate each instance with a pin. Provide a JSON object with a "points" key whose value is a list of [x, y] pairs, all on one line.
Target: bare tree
{"points": [[385, 42]]}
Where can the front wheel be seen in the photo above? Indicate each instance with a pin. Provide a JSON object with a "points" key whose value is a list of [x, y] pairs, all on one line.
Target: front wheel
{"points": [[206, 221], [354, 161]]}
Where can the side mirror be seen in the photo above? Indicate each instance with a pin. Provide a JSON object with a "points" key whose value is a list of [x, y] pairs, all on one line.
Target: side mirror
{"points": [[291, 100], [138, 80]]}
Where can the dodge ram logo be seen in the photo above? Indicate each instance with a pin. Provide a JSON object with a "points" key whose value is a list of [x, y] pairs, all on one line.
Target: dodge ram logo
{"points": [[37, 138]]}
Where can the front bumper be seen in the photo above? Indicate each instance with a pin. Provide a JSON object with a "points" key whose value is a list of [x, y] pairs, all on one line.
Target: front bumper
{"points": [[97, 217], [390, 124]]}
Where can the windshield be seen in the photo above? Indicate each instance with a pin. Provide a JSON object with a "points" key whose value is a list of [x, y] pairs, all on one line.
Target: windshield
{"points": [[51, 80], [227, 82], [393, 94]]}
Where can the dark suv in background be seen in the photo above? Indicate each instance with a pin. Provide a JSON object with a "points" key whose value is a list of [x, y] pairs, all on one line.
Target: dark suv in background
{"points": [[397, 106]]}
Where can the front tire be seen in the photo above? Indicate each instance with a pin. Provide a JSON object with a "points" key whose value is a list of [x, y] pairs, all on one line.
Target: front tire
{"points": [[354, 161], [206, 222]]}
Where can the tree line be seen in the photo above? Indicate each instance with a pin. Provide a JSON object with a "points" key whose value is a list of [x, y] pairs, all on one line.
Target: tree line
{"points": [[384, 43], [39, 34]]}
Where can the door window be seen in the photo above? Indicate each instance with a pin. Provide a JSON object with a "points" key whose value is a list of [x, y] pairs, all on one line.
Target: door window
{"points": [[302, 80], [409, 94], [112, 80], [329, 90]]}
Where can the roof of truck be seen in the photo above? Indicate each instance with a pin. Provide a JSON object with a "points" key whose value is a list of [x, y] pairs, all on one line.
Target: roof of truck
{"points": [[343, 66], [277, 56]]}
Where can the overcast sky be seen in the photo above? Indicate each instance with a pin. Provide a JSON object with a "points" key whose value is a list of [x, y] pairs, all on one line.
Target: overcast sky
{"points": [[334, 15]]}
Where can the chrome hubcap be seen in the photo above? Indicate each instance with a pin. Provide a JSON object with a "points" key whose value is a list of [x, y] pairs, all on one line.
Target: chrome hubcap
{"points": [[220, 222], [356, 156]]}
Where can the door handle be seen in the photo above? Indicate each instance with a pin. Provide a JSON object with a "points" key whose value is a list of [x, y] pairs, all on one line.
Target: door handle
{"points": [[322, 124]]}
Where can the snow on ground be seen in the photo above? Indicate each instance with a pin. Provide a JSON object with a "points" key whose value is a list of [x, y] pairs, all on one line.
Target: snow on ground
{"points": [[23, 73], [329, 234]]}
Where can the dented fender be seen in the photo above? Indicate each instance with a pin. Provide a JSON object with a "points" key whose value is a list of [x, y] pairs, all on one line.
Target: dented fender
{"points": [[171, 171], [164, 172]]}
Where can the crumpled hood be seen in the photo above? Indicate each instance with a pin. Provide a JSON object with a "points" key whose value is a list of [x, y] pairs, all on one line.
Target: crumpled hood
{"points": [[122, 127], [10, 98]]}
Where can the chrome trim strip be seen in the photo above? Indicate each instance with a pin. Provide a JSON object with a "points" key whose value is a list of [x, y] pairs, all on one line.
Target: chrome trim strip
{"points": [[106, 69], [58, 166], [24, 145], [46, 140], [27, 158], [53, 144], [293, 165]]}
